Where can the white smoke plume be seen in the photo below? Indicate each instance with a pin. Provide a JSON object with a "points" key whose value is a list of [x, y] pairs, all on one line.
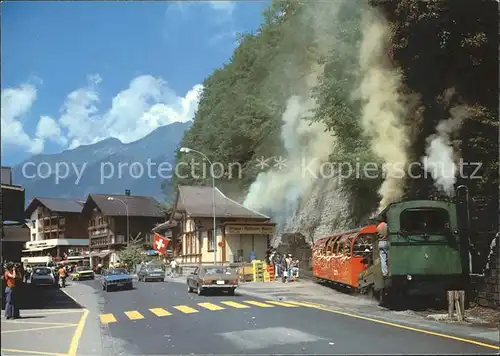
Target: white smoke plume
{"points": [[278, 191], [383, 110], [441, 159]]}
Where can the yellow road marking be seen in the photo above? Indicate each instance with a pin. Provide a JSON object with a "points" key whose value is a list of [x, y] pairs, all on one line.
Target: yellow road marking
{"points": [[303, 304], [259, 304], [134, 315], [235, 305], [37, 323], [185, 309], [281, 304], [160, 312], [32, 352], [210, 306], [495, 347], [73, 348], [31, 329], [107, 318]]}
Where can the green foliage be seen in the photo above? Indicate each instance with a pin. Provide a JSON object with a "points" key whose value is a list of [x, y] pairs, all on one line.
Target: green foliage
{"points": [[131, 255]]}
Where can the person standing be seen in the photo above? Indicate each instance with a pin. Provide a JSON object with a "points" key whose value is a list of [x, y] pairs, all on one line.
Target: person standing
{"points": [[27, 273], [62, 275], [173, 268], [10, 281]]}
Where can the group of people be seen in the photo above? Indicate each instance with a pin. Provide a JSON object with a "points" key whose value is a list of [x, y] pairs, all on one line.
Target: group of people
{"points": [[286, 267]]}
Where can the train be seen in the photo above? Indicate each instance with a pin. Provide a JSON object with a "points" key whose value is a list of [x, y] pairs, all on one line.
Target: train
{"points": [[412, 248]]}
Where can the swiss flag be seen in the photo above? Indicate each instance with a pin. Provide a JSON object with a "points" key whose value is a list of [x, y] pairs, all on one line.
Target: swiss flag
{"points": [[160, 243]]}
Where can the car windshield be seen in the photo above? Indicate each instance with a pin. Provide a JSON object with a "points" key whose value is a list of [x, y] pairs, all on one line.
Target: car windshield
{"points": [[79, 269], [154, 269], [117, 271], [218, 270], [42, 271]]}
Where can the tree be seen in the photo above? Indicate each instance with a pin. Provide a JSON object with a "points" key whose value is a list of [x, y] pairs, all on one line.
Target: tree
{"points": [[131, 255]]}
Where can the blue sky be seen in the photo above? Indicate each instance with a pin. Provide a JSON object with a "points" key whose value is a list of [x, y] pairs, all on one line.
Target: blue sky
{"points": [[77, 72]]}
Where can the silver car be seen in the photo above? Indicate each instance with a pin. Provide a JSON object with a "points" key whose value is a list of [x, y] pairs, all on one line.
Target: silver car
{"points": [[42, 276]]}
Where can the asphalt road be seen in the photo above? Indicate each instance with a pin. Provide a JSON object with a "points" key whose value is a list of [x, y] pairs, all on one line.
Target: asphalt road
{"points": [[162, 318]]}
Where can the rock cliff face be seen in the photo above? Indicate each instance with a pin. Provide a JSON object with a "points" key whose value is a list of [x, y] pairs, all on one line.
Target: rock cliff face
{"points": [[322, 212], [488, 287]]}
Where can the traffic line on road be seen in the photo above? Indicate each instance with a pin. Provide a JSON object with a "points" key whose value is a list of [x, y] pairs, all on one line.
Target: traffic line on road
{"points": [[235, 305], [160, 312], [185, 309], [259, 304], [281, 304], [31, 352], [33, 329], [107, 318], [210, 306], [399, 326], [134, 315]]}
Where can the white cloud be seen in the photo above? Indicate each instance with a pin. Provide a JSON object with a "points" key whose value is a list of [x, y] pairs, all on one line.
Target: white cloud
{"points": [[15, 103], [146, 104], [48, 128]]}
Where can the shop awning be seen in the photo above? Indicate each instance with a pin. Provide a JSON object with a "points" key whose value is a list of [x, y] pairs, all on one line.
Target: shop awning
{"points": [[39, 249]]}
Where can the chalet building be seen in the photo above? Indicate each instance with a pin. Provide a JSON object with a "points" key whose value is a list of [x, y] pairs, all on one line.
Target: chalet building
{"points": [[14, 238], [12, 207], [242, 234], [107, 223], [14, 230], [57, 230]]}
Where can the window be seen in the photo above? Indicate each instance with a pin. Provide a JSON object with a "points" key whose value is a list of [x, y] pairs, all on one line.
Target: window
{"points": [[425, 221], [62, 221], [210, 241]]}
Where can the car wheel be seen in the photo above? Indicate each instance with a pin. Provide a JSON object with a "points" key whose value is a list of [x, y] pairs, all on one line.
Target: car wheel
{"points": [[103, 287], [189, 289], [130, 286], [200, 290], [231, 291]]}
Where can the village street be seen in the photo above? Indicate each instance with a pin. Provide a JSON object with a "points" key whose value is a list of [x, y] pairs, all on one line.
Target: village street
{"points": [[162, 318]]}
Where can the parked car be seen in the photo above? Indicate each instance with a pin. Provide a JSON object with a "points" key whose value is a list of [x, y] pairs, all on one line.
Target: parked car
{"points": [[116, 278], [151, 273], [84, 272], [212, 278], [42, 276]]}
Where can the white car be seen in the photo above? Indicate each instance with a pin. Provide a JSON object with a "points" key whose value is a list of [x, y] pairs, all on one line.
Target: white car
{"points": [[42, 276]]}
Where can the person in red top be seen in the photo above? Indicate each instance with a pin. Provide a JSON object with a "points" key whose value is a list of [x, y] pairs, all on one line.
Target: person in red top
{"points": [[10, 282]]}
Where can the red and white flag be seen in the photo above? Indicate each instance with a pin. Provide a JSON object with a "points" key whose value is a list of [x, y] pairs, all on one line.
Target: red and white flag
{"points": [[160, 243]]}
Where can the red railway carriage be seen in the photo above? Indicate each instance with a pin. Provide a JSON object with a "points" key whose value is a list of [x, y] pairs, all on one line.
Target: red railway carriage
{"points": [[338, 258]]}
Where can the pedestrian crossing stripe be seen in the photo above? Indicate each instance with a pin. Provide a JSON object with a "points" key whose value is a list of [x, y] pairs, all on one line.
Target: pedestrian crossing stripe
{"points": [[235, 305], [185, 309], [210, 306], [160, 312], [281, 304]]}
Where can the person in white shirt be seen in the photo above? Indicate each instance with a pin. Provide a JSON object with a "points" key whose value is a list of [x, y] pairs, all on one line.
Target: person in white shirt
{"points": [[173, 268]]}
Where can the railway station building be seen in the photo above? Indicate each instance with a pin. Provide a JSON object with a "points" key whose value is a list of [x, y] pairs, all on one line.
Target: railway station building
{"points": [[242, 234]]}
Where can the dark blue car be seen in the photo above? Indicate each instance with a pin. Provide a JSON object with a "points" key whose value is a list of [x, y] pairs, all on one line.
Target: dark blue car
{"points": [[116, 278]]}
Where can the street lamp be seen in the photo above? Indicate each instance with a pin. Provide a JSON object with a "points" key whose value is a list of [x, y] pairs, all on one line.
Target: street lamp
{"points": [[214, 237], [126, 209]]}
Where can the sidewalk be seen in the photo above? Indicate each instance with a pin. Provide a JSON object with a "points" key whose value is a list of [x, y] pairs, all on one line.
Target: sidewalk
{"points": [[43, 332], [359, 306]]}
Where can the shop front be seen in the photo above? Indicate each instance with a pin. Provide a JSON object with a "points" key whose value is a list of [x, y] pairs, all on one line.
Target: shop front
{"points": [[53, 250]]}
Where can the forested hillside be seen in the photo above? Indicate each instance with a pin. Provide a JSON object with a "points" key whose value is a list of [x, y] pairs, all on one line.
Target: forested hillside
{"points": [[388, 82]]}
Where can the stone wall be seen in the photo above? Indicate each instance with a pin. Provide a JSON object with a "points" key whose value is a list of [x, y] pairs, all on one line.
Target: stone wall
{"points": [[487, 286]]}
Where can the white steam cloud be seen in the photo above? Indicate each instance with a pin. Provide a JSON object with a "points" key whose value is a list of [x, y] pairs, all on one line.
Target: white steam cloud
{"points": [[383, 110], [441, 159], [278, 192]]}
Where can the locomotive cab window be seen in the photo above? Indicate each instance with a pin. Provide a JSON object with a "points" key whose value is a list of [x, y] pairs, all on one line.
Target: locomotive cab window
{"points": [[425, 221]]}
